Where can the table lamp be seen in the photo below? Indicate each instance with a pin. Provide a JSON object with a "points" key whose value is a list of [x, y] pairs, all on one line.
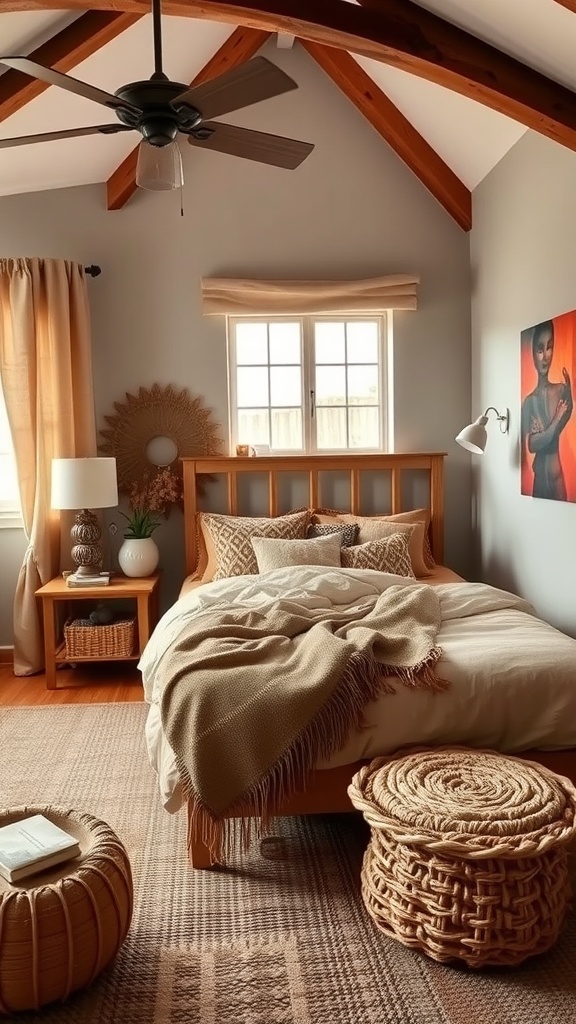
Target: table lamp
{"points": [[84, 484]]}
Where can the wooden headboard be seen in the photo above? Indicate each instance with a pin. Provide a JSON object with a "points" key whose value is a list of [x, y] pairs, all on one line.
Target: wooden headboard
{"points": [[312, 465]]}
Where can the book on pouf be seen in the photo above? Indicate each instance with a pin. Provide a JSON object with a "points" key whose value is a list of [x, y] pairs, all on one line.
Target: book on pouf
{"points": [[33, 844]]}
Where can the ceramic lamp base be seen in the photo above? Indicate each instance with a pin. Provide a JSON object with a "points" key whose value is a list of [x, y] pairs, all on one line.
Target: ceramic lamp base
{"points": [[86, 552]]}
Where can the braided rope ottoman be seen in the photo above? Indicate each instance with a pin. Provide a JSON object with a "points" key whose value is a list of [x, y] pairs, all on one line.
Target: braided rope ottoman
{"points": [[61, 928], [468, 855]]}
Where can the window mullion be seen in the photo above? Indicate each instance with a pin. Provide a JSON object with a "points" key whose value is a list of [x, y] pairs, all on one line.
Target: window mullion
{"points": [[308, 382], [269, 369]]}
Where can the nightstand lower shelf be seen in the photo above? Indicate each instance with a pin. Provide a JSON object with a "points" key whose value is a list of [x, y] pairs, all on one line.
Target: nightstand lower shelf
{"points": [[143, 590], [61, 658]]}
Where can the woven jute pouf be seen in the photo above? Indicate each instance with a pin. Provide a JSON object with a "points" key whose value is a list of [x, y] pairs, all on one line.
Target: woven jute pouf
{"points": [[467, 859], [61, 928]]}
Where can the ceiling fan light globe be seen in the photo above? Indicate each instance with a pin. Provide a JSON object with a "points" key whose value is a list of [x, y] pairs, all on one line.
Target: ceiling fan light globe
{"points": [[159, 168]]}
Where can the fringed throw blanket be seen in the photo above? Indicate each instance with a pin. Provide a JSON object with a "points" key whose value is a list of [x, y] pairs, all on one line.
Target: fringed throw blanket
{"points": [[252, 698]]}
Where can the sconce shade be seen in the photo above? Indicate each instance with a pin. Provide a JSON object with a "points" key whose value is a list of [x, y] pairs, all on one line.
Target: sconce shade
{"points": [[474, 436], [159, 168], [84, 483]]}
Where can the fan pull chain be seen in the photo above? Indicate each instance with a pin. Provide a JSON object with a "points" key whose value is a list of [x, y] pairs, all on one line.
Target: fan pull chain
{"points": [[181, 180]]}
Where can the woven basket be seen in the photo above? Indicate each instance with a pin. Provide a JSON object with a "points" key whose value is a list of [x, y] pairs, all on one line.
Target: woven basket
{"points": [[468, 854], [115, 640]]}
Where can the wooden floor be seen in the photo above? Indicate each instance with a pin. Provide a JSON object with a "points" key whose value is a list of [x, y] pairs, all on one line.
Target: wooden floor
{"points": [[91, 684]]}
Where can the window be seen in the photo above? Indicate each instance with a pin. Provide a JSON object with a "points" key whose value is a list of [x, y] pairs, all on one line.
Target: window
{"points": [[10, 514], [309, 383]]}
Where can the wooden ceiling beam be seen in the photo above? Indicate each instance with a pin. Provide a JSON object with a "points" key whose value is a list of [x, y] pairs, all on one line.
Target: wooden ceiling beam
{"points": [[63, 52], [569, 4], [395, 128], [240, 46], [398, 32]]}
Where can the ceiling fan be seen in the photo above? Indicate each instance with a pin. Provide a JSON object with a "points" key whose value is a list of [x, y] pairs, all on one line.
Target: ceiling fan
{"points": [[160, 109]]}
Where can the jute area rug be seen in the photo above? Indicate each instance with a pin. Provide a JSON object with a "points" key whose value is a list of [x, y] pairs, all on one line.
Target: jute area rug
{"points": [[272, 941]]}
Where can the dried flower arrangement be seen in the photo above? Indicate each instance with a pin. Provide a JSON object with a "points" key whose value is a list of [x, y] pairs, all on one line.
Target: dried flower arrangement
{"points": [[150, 500]]}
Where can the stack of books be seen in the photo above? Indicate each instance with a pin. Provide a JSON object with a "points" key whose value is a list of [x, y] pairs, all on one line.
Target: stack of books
{"points": [[99, 579], [32, 845]]}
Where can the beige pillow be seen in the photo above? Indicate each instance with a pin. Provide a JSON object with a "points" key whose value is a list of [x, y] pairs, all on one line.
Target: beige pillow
{"points": [[420, 552], [224, 542], [275, 554], [387, 555]]}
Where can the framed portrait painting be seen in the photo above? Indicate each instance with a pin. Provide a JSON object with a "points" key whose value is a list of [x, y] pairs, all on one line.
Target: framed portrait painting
{"points": [[548, 420]]}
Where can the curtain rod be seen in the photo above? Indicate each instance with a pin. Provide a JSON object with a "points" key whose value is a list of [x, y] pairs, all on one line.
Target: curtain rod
{"points": [[93, 270]]}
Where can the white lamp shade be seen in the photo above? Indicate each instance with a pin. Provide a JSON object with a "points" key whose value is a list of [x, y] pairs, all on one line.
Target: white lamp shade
{"points": [[474, 436], [159, 168], [84, 483]]}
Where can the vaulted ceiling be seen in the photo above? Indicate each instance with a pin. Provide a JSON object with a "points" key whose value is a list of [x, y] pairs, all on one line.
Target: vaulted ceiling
{"points": [[450, 85]]}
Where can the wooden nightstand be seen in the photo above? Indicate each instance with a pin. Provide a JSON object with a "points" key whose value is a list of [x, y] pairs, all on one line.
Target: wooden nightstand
{"points": [[145, 591]]}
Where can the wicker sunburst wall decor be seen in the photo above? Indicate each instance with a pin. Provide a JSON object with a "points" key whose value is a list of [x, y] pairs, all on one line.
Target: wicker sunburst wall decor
{"points": [[158, 412]]}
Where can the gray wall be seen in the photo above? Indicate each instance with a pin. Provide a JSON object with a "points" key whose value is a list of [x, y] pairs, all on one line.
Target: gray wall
{"points": [[523, 254], [351, 210]]}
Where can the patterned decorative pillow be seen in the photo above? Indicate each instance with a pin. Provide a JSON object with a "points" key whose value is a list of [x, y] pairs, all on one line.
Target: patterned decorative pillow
{"points": [[420, 552], [387, 555], [349, 531], [276, 554], [227, 541]]}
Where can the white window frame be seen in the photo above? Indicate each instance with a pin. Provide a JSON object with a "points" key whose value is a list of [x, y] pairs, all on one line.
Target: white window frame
{"points": [[307, 323], [10, 511]]}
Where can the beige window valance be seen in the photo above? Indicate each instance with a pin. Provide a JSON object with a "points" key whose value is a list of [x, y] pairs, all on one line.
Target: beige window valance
{"points": [[237, 297]]}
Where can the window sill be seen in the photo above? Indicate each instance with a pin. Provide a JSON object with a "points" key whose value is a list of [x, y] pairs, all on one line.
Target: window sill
{"points": [[11, 521]]}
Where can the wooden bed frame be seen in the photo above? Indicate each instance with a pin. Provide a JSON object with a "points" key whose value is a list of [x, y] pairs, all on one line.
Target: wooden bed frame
{"points": [[326, 790]]}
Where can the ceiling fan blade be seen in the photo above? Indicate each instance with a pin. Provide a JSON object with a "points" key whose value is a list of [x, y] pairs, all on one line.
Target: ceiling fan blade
{"points": [[257, 79], [90, 92], [267, 149], [69, 133]]}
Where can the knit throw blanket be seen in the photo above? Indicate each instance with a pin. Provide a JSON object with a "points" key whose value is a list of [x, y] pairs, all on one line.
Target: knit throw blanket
{"points": [[254, 697]]}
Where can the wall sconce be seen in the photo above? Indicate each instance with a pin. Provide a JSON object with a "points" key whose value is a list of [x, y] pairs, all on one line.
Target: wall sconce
{"points": [[474, 436]]}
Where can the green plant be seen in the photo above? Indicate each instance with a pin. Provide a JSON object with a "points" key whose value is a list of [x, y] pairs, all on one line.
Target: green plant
{"points": [[141, 523], [152, 501]]}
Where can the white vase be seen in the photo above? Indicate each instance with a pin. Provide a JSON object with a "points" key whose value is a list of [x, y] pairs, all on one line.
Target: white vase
{"points": [[138, 556]]}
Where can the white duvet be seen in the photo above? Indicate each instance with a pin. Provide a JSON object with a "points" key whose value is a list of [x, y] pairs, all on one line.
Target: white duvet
{"points": [[512, 676]]}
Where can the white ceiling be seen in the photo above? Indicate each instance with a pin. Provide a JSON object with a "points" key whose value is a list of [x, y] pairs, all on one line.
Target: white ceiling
{"points": [[468, 136]]}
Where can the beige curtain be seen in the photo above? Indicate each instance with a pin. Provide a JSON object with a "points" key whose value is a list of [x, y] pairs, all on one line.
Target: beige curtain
{"points": [[236, 297], [46, 372]]}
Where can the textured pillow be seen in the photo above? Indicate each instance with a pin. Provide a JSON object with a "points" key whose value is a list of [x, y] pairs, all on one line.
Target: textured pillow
{"points": [[379, 529], [387, 555], [275, 554], [420, 552], [224, 542], [347, 531], [419, 516]]}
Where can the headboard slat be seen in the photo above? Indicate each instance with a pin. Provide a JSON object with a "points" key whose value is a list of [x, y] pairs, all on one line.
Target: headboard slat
{"points": [[396, 490], [313, 489], [272, 493]]}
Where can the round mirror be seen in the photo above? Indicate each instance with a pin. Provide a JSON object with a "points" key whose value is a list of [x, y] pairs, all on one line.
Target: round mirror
{"points": [[161, 451], [153, 430]]}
